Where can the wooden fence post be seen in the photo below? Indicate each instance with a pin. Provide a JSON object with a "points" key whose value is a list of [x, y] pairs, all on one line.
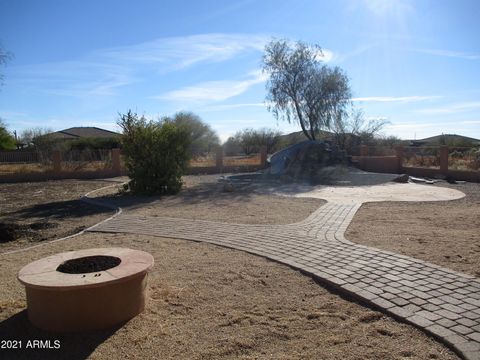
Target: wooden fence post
{"points": [[263, 156], [116, 161], [444, 160], [219, 159], [57, 161]]}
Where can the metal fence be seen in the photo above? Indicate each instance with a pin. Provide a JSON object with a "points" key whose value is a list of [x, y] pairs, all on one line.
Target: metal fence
{"points": [[15, 157]]}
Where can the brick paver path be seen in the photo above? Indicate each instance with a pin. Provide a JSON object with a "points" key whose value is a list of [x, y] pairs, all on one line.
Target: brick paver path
{"points": [[443, 302]]}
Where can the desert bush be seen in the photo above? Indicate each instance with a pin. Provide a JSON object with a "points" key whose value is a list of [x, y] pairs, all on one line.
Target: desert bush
{"points": [[203, 139], [456, 154], [156, 154], [7, 142], [250, 141]]}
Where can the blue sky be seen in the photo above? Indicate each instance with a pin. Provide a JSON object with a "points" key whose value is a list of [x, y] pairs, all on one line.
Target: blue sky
{"points": [[79, 63]]}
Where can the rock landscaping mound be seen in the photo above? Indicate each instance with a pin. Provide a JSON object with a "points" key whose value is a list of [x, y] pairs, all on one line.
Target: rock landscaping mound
{"points": [[305, 160]]}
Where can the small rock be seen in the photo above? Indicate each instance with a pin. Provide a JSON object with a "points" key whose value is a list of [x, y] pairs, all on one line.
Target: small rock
{"points": [[228, 187], [402, 178], [450, 180]]}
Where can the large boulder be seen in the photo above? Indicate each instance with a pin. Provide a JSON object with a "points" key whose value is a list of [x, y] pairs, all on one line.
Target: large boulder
{"points": [[304, 160]]}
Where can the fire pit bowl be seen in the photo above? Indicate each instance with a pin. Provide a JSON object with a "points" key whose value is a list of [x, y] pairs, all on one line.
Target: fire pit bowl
{"points": [[87, 289]]}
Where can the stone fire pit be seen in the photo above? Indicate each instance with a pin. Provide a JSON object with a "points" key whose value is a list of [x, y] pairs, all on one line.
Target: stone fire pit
{"points": [[86, 289]]}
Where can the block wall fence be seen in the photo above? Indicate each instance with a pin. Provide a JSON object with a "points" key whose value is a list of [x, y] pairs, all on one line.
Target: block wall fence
{"points": [[382, 164], [116, 169], [394, 164]]}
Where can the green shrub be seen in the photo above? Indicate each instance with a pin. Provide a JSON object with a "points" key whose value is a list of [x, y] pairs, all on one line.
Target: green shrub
{"points": [[156, 154], [7, 141]]}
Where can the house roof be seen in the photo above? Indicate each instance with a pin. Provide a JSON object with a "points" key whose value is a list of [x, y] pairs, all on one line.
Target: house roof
{"points": [[84, 132]]}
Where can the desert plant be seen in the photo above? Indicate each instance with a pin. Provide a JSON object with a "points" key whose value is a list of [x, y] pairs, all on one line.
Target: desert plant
{"points": [[203, 138], [7, 141], [250, 141], [156, 154]]}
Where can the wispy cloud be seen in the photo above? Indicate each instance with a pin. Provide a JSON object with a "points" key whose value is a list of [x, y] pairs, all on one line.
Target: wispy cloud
{"points": [[12, 114], [213, 90], [80, 78], [359, 50], [449, 53], [382, 8], [470, 122], [408, 126], [180, 52], [452, 108], [104, 72], [402, 99], [211, 108]]}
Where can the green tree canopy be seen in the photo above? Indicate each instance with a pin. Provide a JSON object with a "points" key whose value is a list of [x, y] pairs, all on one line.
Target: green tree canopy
{"points": [[250, 140], [156, 154], [302, 89], [203, 138], [7, 141]]}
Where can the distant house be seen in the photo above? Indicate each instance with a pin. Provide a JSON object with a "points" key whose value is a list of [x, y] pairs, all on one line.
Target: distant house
{"points": [[78, 138], [83, 132]]}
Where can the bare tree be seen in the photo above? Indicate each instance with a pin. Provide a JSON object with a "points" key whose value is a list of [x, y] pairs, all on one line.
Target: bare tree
{"points": [[5, 56], [302, 89], [268, 138], [353, 129], [250, 141], [28, 136]]}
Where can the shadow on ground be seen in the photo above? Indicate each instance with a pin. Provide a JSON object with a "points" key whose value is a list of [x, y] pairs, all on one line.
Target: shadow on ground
{"points": [[58, 210], [73, 346], [199, 193]]}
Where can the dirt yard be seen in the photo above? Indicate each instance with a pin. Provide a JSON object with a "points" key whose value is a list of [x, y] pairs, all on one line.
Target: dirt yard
{"points": [[39, 211], [445, 233], [204, 199], [208, 302]]}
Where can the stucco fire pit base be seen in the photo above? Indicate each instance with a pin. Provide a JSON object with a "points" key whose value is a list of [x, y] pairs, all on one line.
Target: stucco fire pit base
{"points": [[106, 288]]}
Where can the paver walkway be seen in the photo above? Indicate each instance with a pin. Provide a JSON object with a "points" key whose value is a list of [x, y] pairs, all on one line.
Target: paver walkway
{"points": [[443, 302]]}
